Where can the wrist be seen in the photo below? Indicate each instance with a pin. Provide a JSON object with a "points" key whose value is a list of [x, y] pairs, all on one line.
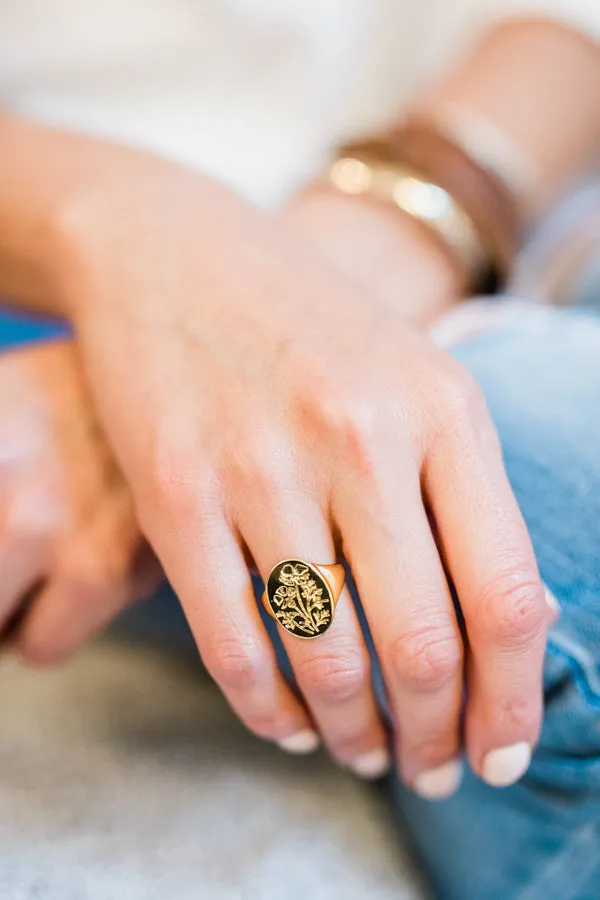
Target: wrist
{"points": [[75, 212], [108, 228], [389, 254], [119, 235], [46, 176]]}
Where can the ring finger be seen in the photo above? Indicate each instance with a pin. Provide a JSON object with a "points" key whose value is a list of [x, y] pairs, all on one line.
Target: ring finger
{"points": [[332, 670]]}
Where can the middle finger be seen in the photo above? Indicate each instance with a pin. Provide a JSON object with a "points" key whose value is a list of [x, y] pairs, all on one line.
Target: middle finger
{"points": [[408, 605]]}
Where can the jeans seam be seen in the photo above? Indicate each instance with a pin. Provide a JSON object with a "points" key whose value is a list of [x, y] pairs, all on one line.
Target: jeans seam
{"points": [[583, 669]]}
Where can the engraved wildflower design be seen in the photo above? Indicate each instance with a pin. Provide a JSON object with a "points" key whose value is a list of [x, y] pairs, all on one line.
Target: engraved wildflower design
{"points": [[298, 602]]}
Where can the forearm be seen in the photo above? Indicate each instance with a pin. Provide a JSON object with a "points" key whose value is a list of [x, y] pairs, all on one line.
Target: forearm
{"points": [[535, 85], [40, 171], [61, 191]]}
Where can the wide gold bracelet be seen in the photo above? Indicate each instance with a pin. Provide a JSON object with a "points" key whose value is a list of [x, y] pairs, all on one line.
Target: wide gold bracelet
{"points": [[428, 203]]}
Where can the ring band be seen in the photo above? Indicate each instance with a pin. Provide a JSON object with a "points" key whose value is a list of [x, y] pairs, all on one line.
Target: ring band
{"points": [[302, 596]]}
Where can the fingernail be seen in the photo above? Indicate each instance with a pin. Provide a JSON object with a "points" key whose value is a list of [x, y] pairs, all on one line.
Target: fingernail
{"points": [[552, 601], [439, 783], [506, 765], [305, 741], [371, 765]]}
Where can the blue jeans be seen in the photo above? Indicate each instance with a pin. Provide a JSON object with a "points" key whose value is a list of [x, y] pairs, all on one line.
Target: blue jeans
{"points": [[539, 840]]}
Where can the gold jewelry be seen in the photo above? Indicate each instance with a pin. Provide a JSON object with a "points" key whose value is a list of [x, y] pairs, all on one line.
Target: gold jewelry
{"points": [[302, 596], [430, 204]]}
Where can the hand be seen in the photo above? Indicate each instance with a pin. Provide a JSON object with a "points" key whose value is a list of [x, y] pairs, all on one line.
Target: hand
{"points": [[68, 535], [382, 249], [261, 404]]}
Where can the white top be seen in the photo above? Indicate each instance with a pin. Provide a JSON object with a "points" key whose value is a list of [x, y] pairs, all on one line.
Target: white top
{"points": [[252, 91]]}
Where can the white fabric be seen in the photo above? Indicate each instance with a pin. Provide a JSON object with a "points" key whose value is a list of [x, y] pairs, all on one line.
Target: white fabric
{"points": [[253, 91]]}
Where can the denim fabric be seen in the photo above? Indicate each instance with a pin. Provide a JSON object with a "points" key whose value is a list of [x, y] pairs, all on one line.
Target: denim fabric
{"points": [[17, 328], [539, 840]]}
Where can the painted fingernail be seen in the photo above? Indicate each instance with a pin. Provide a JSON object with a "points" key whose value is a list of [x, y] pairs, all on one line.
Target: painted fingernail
{"points": [[506, 765], [302, 742], [371, 765], [552, 601], [439, 783]]}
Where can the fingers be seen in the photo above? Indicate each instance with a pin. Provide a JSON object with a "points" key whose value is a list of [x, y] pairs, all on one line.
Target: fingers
{"points": [[401, 582], [19, 572], [491, 562], [23, 549], [90, 583], [203, 560], [69, 522], [333, 669]]}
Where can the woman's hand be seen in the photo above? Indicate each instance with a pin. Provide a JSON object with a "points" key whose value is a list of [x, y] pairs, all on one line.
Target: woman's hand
{"points": [[69, 541], [263, 406], [382, 249]]}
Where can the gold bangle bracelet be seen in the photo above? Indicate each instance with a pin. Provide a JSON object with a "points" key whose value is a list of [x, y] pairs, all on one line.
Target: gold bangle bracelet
{"points": [[423, 200]]}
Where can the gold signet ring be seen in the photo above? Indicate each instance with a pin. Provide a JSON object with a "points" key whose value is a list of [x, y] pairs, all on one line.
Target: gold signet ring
{"points": [[302, 596]]}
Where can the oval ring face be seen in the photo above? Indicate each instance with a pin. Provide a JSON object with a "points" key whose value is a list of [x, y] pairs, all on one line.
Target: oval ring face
{"points": [[300, 598]]}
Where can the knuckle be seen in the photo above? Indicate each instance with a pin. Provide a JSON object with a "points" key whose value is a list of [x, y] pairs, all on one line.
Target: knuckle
{"points": [[169, 486], [267, 483], [345, 417], [427, 659], [460, 405], [517, 714], [511, 608], [33, 516], [258, 469], [357, 442], [354, 426], [177, 481], [460, 392], [237, 664], [334, 677], [86, 570]]}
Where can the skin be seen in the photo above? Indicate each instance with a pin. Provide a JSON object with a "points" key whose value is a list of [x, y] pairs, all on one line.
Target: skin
{"points": [[69, 539], [308, 428], [266, 398]]}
